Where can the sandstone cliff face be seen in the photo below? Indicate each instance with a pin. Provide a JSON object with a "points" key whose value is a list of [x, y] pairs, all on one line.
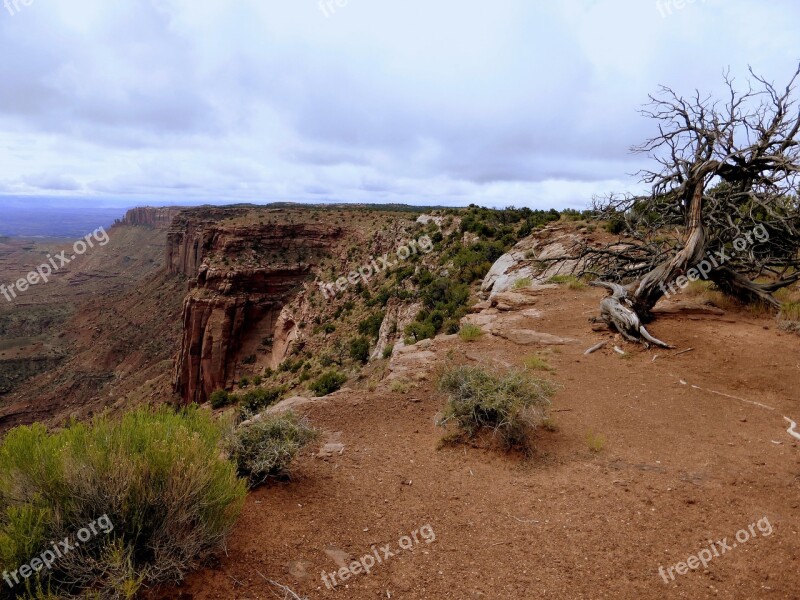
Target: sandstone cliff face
{"points": [[241, 278]]}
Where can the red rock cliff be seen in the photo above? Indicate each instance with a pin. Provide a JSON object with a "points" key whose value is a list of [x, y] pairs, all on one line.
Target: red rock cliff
{"points": [[241, 277]]}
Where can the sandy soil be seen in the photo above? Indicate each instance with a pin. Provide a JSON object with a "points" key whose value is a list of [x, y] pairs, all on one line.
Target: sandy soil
{"points": [[681, 466]]}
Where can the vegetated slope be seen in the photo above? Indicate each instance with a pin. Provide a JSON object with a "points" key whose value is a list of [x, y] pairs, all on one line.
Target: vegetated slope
{"points": [[293, 297], [648, 456]]}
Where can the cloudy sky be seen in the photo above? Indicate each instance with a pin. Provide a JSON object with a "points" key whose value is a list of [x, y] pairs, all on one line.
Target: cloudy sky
{"points": [[522, 102]]}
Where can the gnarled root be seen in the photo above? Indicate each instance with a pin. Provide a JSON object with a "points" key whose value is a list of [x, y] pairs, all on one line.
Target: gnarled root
{"points": [[616, 310]]}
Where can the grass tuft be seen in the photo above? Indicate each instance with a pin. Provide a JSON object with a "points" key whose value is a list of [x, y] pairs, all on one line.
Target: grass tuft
{"points": [[470, 333], [595, 441], [522, 283]]}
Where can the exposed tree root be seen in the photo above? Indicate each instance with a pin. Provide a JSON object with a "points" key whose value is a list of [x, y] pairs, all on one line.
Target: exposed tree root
{"points": [[617, 311]]}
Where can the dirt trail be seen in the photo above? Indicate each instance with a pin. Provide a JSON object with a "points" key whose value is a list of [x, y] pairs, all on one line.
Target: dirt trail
{"points": [[680, 466]]}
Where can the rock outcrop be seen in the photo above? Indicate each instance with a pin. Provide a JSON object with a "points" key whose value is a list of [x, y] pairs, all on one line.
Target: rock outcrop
{"points": [[537, 257]]}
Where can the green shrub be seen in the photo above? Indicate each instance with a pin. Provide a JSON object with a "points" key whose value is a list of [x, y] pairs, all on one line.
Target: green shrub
{"points": [[417, 331], [219, 398], [615, 226], [256, 400], [387, 352], [265, 448], [470, 332], [511, 405], [327, 383], [257, 380], [155, 475], [359, 349], [452, 326], [371, 326], [244, 382]]}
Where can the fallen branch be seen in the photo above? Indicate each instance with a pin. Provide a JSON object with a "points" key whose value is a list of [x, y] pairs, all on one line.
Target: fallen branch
{"points": [[676, 354], [594, 348]]}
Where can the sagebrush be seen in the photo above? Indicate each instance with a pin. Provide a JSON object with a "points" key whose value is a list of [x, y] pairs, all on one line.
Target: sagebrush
{"points": [[511, 406]]}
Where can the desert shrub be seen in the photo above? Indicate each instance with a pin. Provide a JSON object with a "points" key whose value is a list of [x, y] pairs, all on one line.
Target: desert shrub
{"points": [[257, 380], [417, 331], [510, 405], [387, 352], [219, 398], [327, 383], [259, 398], [359, 349], [470, 332], [264, 448], [371, 326], [153, 481], [451, 326], [244, 382]]}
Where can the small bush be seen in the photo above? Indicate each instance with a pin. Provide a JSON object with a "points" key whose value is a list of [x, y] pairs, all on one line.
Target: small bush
{"points": [[417, 331], [219, 399], [470, 333], [371, 326], [258, 399], [327, 383], [265, 448], [615, 226], [158, 478], [359, 349], [511, 406], [387, 352], [244, 382], [257, 380]]}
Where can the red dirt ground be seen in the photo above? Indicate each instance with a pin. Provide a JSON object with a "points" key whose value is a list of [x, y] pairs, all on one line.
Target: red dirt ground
{"points": [[680, 466]]}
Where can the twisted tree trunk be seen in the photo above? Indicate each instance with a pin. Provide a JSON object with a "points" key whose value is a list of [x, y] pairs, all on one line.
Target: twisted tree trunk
{"points": [[627, 307]]}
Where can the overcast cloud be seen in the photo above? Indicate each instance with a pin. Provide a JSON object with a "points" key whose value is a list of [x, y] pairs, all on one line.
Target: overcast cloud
{"points": [[415, 101]]}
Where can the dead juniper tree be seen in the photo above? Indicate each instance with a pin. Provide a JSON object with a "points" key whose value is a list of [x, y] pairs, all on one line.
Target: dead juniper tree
{"points": [[723, 204]]}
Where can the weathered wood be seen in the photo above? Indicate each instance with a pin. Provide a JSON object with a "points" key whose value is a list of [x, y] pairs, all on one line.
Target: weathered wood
{"points": [[617, 311]]}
